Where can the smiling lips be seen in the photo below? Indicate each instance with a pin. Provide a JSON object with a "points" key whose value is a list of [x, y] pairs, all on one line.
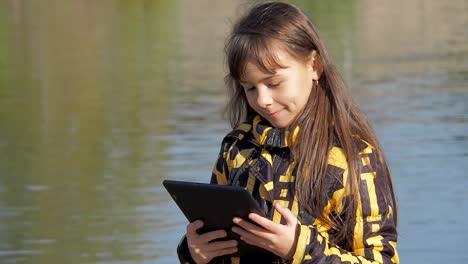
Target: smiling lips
{"points": [[274, 114]]}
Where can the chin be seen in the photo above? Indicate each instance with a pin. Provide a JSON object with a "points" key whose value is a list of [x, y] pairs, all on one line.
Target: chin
{"points": [[280, 124]]}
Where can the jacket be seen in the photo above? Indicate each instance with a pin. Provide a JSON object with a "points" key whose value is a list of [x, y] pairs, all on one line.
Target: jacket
{"points": [[256, 156]]}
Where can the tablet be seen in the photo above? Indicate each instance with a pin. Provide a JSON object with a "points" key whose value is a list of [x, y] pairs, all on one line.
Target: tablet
{"points": [[216, 205]]}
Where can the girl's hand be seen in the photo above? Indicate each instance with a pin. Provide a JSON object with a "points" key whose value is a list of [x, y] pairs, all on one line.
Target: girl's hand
{"points": [[277, 238], [200, 247]]}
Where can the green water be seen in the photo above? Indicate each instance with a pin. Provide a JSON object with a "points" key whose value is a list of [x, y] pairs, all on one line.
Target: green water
{"points": [[102, 100]]}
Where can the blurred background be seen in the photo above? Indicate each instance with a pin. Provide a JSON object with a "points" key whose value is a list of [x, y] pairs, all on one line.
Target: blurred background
{"points": [[100, 101]]}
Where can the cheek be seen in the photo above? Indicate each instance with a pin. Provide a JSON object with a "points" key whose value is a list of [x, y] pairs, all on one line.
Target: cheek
{"points": [[302, 93], [305, 96], [307, 81], [306, 88], [251, 99]]}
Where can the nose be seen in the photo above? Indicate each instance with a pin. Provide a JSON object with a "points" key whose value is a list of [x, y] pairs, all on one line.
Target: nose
{"points": [[264, 96]]}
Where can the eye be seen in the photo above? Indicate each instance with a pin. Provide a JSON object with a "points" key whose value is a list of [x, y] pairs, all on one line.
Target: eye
{"points": [[249, 89], [273, 85]]}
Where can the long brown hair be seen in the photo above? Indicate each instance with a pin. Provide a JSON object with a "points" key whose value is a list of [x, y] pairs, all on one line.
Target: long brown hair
{"points": [[331, 116]]}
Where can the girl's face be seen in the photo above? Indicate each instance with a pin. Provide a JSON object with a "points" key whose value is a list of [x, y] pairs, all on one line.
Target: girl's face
{"points": [[281, 96]]}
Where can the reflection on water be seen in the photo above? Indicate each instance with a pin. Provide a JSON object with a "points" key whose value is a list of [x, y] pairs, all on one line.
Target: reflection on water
{"points": [[100, 101]]}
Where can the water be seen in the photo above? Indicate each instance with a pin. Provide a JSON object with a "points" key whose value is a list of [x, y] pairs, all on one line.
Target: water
{"points": [[102, 100]]}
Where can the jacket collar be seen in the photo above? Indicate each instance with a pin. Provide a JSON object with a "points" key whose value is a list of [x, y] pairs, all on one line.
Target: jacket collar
{"points": [[267, 135]]}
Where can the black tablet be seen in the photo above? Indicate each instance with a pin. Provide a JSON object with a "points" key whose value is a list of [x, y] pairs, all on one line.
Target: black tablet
{"points": [[216, 205]]}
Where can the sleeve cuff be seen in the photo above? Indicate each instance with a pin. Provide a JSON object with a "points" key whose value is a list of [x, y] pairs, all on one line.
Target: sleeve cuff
{"points": [[302, 242], [183, 252]]}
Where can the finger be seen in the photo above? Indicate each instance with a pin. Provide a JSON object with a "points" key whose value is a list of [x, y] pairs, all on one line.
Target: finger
{"points": [[249, 237], [287, 214], [207, 237], [221, 245], [226, 251], [245, 234], [249, 226], [263, 222], [193, 227]]}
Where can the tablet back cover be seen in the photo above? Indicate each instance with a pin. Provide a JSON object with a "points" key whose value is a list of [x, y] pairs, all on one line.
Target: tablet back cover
{"points": [[216, 205]]}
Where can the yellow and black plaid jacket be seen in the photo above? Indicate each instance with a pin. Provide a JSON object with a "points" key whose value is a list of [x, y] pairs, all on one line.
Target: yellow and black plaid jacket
{"points": [[256, 156]]}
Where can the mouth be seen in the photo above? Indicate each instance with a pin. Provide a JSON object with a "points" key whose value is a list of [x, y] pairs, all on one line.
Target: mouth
{"points": [[274, 114]]}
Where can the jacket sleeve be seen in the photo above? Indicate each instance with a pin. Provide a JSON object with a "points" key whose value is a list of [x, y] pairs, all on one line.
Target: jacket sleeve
{"points": [[223, 164], [375, 234], [183, 252]]}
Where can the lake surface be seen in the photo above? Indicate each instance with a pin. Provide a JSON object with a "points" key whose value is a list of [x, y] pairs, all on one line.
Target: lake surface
{"points": [[100, 101]]}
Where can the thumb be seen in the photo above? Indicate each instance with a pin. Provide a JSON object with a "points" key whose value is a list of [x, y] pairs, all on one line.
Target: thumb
{"points": [[287, 214]]}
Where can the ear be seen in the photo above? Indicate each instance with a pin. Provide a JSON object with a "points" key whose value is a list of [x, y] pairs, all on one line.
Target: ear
{"points": [[314, 64]]}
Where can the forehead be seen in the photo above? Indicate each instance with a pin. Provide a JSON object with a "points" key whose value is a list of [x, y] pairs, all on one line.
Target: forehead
{"points": [[275, 63]]}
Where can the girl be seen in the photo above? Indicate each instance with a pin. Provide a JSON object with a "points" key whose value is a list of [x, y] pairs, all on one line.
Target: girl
{"points": [[303, 149]]}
